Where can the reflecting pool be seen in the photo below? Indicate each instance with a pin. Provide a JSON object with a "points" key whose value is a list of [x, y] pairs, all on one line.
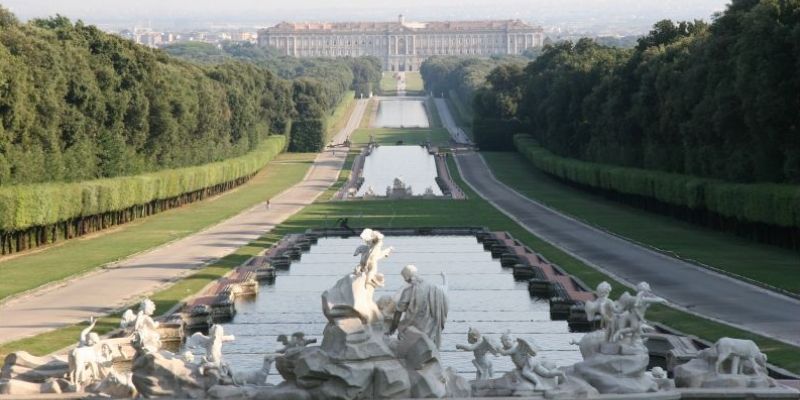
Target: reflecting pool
{"points": [[481, 294], [413, 164], [401, 114]]}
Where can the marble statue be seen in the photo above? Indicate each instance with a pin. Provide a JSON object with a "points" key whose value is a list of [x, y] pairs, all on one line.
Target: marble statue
{"points": [[421, 305], [729, 363], [90, 360], [295, 341], [143, 325], [630, 319], [212, 344], [399, 189], [615, 358], [371, 252], [602, 308], [523, 354], [480, 346]]}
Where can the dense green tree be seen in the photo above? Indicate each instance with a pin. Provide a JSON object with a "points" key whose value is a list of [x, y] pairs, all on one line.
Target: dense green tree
{"points": [[76, 104], [716, 100]]}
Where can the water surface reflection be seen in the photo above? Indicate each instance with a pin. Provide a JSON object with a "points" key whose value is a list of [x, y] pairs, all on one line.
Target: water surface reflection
{"points": [[482, 294]]}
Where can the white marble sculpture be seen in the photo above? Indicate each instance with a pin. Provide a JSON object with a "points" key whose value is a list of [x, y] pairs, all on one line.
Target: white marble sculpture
{"points": [[730, 363], [480, 346], [212, 345], [90, 360], [523, 354], [421, 305], [602, 309], [531, 375], [399, 189], [371, 251], [143, 325], [615, 358]]}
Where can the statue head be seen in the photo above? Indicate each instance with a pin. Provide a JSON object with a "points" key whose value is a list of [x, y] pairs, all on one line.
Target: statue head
{"points": [[147, 306], [473, 335], [658, 373], [603, 289], [387, 305], [643, 287], [507, 340], [92, 339], [299, 339], [371, 236], [409, 272]]}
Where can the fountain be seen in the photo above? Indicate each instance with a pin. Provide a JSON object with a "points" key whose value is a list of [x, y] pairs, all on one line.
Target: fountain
{"points": [[390, 348]]}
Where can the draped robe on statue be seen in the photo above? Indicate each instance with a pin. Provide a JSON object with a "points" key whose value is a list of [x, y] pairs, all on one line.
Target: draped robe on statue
{"points": [[424, 307]]}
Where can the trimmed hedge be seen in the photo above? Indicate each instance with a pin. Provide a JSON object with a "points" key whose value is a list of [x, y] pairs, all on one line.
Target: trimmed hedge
{"points": [[770, 204], [47, 206]]}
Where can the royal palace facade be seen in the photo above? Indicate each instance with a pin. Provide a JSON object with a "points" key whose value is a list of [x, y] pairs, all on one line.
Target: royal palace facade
{"points": [[401, 46]]}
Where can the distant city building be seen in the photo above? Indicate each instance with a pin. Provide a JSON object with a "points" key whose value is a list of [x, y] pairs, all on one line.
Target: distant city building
{"points": [[401, 46]]}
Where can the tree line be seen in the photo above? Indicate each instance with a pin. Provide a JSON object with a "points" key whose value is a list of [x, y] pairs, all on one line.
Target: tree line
{"points": [[97, 131], [318, 84], [79, 104], [715, 100], [699, 120]]}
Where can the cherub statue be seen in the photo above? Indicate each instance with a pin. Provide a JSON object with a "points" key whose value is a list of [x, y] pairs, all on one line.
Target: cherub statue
{"points": [[143, 324], [603, 309], [523, 354], [297, 341], [212, 343], [479, 346], [631, 309], [371, 252]]}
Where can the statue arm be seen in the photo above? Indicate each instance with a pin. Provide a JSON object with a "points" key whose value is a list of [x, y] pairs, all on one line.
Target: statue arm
{"points": [[466, 347], [395, 322], [85, 333]]}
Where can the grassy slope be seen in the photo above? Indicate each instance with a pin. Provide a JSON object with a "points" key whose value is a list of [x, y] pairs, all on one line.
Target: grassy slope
{"points": [[414, 82], [340, 115], [388, 82], [76, 256], [772, 265], [437, 136], [409, 213]]}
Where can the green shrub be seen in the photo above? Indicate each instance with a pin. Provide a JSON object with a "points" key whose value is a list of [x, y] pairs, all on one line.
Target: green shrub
{"points": [[26, 206], [771, 204]]}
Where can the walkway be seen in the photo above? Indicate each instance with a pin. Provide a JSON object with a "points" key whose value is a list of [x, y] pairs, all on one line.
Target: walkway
{"points": [[109, 289], [449, 123], [685, 285]]}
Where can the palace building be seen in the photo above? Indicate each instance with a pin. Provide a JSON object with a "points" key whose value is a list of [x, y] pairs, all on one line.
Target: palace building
{"points": [[401, 45]]}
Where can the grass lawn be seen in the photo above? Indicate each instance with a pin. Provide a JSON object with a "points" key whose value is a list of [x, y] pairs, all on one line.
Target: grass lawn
{"points": [[340, 115], [433, 113], [437, 136], [388, 82], [372, 107], [768, 264], [28, 271], [414, 82], [409, 213]]}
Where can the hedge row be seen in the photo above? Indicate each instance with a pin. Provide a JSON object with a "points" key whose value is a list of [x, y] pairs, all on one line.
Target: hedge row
{"points": [[771, 204], [40, 205]]}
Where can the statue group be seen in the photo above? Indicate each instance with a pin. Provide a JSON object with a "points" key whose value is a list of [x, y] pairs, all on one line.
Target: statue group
{"points": [[384, 349]]}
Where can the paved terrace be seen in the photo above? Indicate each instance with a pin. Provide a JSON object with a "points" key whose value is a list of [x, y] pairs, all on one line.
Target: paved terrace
{"points": [[103, 291]]}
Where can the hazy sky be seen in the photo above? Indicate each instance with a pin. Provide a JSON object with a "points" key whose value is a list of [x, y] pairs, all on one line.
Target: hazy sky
{"points": [[271, 11]]}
